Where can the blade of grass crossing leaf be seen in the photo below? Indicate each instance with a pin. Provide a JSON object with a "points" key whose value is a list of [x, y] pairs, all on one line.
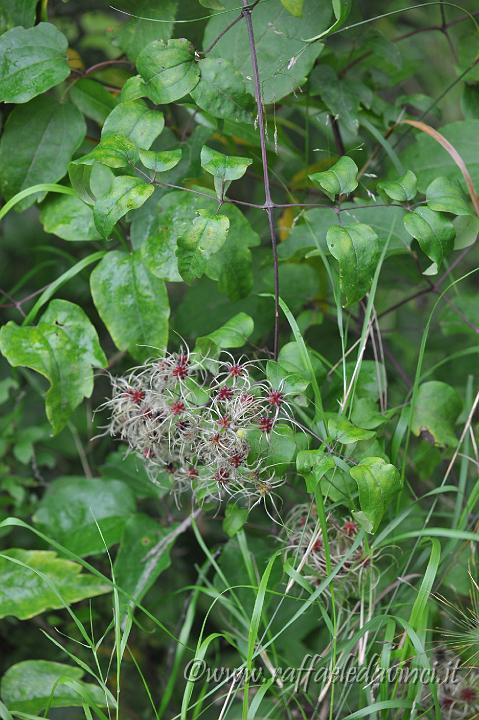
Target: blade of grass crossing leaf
{"points": [[198, 658], [65, 277], [254, 628], [258, 699], [42, 187], [15, 522]]}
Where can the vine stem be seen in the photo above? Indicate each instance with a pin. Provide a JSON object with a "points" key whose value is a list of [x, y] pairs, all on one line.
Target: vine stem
{"points": [[268, 204]]}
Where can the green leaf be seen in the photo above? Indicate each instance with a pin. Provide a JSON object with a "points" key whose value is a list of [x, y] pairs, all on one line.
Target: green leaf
{"points": [[135, 121], [230, 266], [168, 69], [295, 7], [127, 193], [283, 58], [31, 62], [132, 303], [69, 218], [224, 168], [92, 99], [234, 519], [37, 580], [356, 248], [378, 482], [429, 160], [434, 233], [279, 449], [470, 101], [205, 237], [233, 334], [445, 195], [344, 431], [114, 151], [138, 32], [212, 4], [135, 568], [341, 9], [339, 96], [17, 12], [222, 91], [160, 161], [37, 144], [62, 347], [402, 189], [78, 511], [340, 179], [436, 409], [32, 686]]}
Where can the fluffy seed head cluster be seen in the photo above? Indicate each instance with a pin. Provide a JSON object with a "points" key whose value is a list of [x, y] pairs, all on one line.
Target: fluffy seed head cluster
{"points": [[303, 539], [194, 418], [458, 686]]}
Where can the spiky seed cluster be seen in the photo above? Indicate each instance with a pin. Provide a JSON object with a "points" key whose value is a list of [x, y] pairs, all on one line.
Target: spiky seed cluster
{"points": [[458, 687], [195, 423], [303, 539]]}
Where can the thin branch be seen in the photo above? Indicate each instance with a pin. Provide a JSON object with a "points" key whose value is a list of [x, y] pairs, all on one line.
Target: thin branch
{"points": [[268, 205]]}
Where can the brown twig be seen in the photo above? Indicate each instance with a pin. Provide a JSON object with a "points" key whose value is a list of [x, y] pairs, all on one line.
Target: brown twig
{"points": [[268, 204]]}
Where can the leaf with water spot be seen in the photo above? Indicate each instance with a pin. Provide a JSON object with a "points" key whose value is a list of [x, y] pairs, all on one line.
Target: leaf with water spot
{"points": [[31, 61], [126, 193]]}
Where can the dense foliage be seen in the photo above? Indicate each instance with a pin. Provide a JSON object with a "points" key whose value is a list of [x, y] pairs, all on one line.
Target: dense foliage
{"points": [[238, 449]]}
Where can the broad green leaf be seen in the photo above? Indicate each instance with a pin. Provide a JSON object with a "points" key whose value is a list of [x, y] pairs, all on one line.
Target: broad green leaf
{"points": [[17, 12], [233, 334], [436, 409], [378, 482], [429, 160], [279, 449], [212, 4], [160, 161], [132, 303], [338, 94], [75, 323], [90, 181], [340, 179], [78, 511], [341, 9], [133, 89], [136, 568], [470, 101], [169, 70], [69, 218], [234, 519], [62, 347], [356, 248], [135, 121], [127, 193], [434, 233], [32, 686], [92, 99], [224, 168], [344, 431], [283, 58], [35, 685], [37, 580], [114, 151], [205, 237], [137, 32], [295, 7], [464, 308], [37, 144], [445, 195], [31, 62], [230, 266], [222, 91], [402, 189], [130, 469]]}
